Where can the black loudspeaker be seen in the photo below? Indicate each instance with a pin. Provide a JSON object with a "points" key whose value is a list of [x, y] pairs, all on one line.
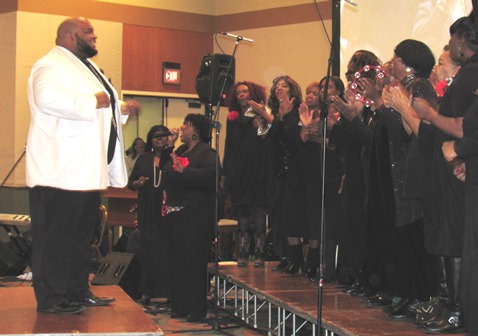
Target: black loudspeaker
{"points": [[10, 262], [213, 72], [122, 269]]}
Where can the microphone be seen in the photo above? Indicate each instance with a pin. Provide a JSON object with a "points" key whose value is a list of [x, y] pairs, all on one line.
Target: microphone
{"points": [[351, 2], [239, 38]]}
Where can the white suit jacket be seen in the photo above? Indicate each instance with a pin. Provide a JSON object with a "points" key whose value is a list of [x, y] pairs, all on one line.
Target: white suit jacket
{"points": [[68, 137]]}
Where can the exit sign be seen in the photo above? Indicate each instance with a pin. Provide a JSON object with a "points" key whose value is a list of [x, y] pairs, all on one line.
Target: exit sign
{"points": [[171, 73]]}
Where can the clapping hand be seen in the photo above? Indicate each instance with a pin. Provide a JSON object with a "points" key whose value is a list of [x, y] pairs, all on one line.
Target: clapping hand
{"points": [[286, 105], [350, 108], [448, 149], [305, 114], [130, 107], [397, 97]]}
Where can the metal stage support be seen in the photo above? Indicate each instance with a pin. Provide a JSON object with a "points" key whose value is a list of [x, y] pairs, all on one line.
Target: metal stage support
{"points": [[248, 303]]}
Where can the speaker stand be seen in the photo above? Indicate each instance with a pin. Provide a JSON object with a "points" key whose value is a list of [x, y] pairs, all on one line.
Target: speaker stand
{"points": [[215, 124]]}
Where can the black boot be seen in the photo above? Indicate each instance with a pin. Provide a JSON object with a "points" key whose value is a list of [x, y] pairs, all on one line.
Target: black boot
{"points": [[244, 241], [259, 238], [311, 271], [451, 319], [296, 260], [330, 272]]}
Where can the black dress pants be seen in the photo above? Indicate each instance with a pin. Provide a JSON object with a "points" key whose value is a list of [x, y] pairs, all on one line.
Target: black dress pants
{"points": [[63, 227], [191, 234]]}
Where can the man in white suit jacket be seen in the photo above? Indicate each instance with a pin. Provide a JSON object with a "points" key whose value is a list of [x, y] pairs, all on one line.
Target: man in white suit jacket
{"points": [[74, 109]]}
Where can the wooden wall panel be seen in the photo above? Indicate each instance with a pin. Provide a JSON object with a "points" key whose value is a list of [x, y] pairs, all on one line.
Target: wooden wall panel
{"points": [[146, 48]]}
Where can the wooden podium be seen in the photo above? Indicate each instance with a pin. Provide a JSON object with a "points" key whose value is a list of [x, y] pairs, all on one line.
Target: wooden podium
{"points": [[121, 210]]}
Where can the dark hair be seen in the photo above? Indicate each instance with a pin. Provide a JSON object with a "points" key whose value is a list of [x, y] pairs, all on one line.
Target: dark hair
{"points": [[417, 55], [201, 124], [153, 130], [337, 82], [361, 58], [465, 27], [294, 90], [132, 150], [257, 93]]}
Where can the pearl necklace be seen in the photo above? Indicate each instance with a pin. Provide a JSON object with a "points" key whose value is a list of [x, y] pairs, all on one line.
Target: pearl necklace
{"points": [[157, 181]]}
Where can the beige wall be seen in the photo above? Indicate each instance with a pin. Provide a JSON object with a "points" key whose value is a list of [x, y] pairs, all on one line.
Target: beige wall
{"points": [[285, 42], [9, 149], [298, 50], [31, 44]]}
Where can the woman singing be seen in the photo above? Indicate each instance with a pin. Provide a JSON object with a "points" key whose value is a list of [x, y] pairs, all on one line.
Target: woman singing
{"points": [[288, 209], [146, 177], [247, 185], [189, 206]]}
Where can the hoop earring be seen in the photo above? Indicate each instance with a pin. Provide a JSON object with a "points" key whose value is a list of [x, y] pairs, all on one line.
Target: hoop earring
{"points": [[194, 137]]}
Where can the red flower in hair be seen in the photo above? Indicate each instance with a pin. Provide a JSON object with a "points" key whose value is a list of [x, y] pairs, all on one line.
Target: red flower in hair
{"points": [[233, 115], [184, 161], [441, 87]]}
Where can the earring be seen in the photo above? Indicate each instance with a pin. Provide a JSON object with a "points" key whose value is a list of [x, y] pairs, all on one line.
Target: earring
{"points": [[194, 137], [408, 69], [460, 52]]}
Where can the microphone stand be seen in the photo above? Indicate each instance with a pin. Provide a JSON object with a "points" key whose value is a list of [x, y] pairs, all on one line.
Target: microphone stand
{"points": [[215, 124], [13, 168], [323, 119]]}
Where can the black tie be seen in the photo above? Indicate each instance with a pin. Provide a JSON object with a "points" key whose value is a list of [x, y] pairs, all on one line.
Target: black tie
{"points": [[113, 130]]}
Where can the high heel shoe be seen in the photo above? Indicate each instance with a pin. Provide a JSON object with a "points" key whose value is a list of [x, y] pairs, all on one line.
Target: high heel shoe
{"points": [[293, 268], [311, 273], [408, 311], [428, 312]]}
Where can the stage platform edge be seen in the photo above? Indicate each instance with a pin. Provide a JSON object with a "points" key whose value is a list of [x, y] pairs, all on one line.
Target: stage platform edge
{"points": [[18, 316], [285, 304]]}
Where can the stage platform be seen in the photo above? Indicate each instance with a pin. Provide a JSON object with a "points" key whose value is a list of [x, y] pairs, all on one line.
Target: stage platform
{"points": [[287, 305], [18, 316]]}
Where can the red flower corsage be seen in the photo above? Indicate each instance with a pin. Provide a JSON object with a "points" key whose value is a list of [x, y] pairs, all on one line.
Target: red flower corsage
{"points": [[233, 115], [184, 161], [440, 87]]}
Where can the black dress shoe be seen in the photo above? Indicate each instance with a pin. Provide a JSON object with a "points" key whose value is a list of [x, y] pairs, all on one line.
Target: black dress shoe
{"points": [[178, 315], [93, 300], [366, 292], [397, 303], [354, 287], [380, 299], [428, 312], [63, 308], [196, 318], [408, 311], [450, 323], [281, 265]]}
